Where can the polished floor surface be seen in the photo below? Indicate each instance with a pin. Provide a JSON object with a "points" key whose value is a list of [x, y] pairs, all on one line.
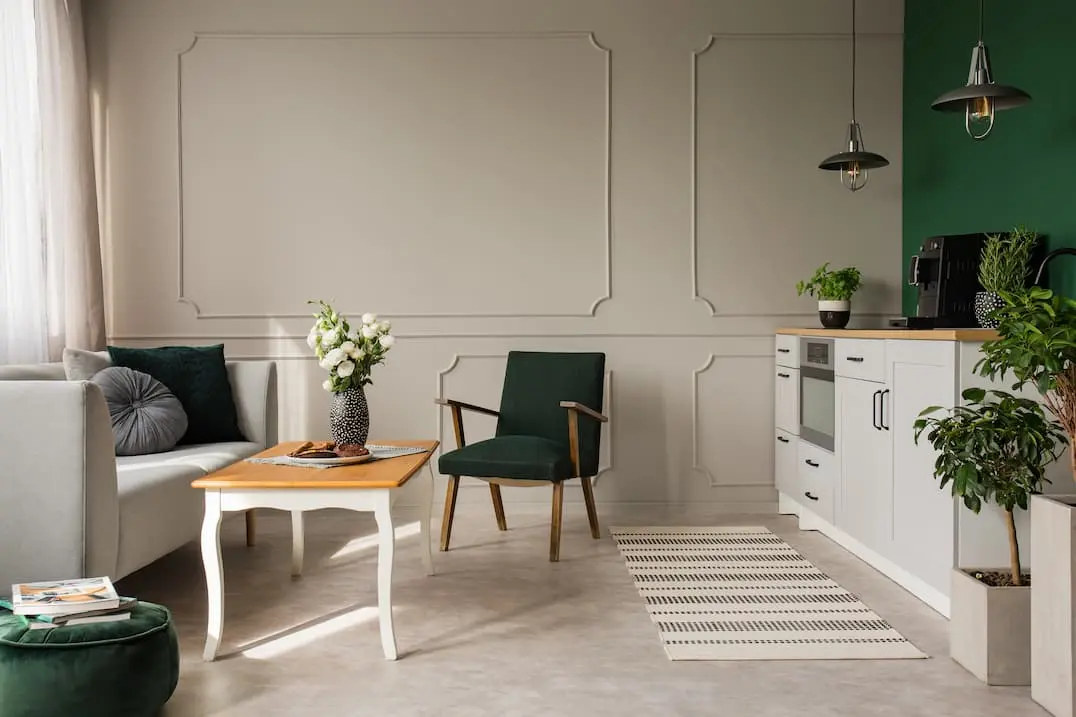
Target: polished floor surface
{"points": [[501, 631]]}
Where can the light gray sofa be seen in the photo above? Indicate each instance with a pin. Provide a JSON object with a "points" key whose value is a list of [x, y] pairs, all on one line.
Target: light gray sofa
{"points": [[70, 508]]}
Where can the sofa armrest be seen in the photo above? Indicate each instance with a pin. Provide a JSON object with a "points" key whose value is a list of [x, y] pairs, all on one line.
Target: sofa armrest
{"points": [[255, 395], [59, 511]]}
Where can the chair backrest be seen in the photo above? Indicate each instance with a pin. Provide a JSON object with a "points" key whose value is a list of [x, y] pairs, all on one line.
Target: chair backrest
{"points": [[534, 385]]}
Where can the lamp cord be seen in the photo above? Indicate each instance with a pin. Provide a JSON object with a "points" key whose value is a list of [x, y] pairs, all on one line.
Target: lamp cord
{"points": [[980, 21], [854, 60]]}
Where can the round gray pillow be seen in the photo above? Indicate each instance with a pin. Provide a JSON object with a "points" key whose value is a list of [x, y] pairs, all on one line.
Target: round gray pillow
{"points": [[146, 416]]}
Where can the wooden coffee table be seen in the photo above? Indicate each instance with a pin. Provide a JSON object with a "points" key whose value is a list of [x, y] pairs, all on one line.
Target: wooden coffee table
{"points": [[362, 487]]}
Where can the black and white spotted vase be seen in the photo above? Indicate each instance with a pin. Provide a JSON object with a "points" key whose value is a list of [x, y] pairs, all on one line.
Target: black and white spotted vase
{"points": [[349, 417], [986, 302]]}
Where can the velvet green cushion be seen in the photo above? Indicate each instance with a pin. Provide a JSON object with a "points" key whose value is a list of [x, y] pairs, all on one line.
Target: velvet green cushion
{"points": [[520, 457], [534, 385], [105, 669], [198, 377]]}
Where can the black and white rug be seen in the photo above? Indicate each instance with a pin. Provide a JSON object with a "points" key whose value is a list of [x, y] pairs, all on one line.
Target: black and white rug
{"points": [[744, 594]]}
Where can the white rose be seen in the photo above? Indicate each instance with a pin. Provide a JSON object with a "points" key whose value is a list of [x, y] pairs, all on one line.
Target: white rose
{"points": [[312, 338], [368, 319], [334, 357], [324, 363], [368, 332], [330, 336], [345, 369], [384, 327], [328, 385], [348, 347], [387, 341], [353, 335], [358, 355]]}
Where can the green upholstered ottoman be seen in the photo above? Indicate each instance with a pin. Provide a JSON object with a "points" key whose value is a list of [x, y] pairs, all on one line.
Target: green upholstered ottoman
{"points": [[126, 668]]}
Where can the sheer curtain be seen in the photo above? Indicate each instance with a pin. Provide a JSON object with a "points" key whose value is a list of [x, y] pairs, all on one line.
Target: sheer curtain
{"points": [[51, 285]]}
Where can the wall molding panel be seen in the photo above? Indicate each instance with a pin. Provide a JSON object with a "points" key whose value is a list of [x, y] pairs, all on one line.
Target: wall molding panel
{"points": [[606, 272]]}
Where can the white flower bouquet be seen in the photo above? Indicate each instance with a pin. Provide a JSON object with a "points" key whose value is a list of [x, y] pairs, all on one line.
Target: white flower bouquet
{"points": [[348, 353]]}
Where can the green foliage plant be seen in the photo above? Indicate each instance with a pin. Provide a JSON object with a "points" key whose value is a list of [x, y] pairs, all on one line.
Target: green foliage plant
{"points": [[1004, 265], [828, 285]]}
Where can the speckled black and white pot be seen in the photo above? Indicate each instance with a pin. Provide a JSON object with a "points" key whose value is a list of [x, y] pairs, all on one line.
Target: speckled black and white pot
{"points": [[349, 417], [834, 314], [986, 302]]}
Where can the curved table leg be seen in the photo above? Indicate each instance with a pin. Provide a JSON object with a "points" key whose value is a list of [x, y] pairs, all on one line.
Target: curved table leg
{"points": [[424, 516], [297, 543], [386, 550], [214, 573]]}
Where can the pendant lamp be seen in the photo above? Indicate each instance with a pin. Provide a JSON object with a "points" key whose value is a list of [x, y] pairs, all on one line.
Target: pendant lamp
{"points": [[854, 163], [980, 98]]}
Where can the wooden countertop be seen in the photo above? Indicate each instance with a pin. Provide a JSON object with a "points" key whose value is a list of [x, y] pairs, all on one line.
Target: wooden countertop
{"points": [[915, 334]]}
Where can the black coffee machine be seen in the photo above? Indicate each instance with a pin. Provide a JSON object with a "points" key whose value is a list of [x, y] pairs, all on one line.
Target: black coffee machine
{"points": [[945, 273]]}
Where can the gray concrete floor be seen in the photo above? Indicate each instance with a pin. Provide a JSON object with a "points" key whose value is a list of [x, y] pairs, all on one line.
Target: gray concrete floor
{"points": [[501, 631]]}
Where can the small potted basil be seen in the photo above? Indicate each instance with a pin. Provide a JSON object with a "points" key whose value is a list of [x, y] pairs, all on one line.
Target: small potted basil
{"points": [[834, 290], [1003, 267]]}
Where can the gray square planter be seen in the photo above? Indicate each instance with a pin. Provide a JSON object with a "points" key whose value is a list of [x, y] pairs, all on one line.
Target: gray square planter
{"points": [[990, 630], [1053, 643]]}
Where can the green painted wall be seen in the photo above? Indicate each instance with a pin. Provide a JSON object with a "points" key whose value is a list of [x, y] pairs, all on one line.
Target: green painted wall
{"points": [[1025, 171]]}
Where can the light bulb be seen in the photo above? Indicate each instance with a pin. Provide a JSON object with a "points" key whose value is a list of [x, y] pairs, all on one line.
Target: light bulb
{"points": [[979, 117], [853, 176]]}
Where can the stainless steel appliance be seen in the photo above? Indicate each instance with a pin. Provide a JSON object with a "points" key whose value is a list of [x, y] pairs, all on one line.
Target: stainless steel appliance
{"points": [[817, 400]]}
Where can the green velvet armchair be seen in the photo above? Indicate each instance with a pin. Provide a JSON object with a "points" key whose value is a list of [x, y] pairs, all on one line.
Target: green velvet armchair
{"points": [[548, 431]]}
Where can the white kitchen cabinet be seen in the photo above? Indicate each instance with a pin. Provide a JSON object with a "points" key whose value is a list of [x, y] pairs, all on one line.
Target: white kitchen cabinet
{"points": [[864, 446], [785, 472], [920, 374], [817, 472], [786, 402]]}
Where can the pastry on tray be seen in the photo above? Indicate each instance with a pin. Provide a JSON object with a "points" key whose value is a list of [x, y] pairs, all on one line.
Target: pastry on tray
{"points": [[328, 449]]}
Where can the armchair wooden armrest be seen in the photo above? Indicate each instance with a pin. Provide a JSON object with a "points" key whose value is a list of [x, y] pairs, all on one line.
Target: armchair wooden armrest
{"points": [[466, 406], [576, 406]]}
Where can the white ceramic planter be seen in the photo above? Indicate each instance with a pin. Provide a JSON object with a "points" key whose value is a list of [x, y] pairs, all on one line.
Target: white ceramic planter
{"points": [[989, 630], [1053, 642]]}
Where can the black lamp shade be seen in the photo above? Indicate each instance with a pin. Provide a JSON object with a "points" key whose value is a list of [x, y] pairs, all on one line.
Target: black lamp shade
{"points": [[1004, 96], [845, 160]]}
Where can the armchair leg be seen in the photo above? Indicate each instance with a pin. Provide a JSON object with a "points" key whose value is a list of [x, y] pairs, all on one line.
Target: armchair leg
{"points": [[450, 511], [252, 528], [592, 511], [554, 530], [498, 506]]}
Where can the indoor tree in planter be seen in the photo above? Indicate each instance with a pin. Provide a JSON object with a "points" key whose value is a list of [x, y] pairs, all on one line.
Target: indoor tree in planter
{"points": [[993, 449], [834, 290], [1003, 267]]}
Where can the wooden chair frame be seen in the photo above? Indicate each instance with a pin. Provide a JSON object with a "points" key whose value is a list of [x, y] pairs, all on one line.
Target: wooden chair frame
{"points": [[574, 409]]}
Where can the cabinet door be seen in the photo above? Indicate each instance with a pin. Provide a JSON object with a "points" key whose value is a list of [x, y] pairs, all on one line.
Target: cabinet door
{"points": [[865, 508], [920, 374], [786, 399], [786, 473]]}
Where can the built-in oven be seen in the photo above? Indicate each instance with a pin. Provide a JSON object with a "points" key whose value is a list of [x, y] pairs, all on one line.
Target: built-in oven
{"points": [[817, 401]]}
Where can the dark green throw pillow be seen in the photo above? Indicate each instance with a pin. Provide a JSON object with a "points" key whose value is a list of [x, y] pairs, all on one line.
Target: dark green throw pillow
{"points": [[197, 376]]}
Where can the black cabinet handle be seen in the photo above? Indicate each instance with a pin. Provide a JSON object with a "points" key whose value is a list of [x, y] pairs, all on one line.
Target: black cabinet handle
{"points": [[811, 463], [881, 411], [783, 375], [784, 351], [808, 494], [854, 359], [782, 439], [876, 405]]}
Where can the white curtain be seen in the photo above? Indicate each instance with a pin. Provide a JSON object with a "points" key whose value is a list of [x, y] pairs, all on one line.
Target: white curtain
{"points": [[51, 285]]}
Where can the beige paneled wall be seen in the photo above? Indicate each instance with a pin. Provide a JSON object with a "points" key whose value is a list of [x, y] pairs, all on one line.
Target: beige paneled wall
{"points": [[635, 177]]}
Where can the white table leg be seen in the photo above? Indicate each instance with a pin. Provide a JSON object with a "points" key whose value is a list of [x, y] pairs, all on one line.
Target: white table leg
{"points": [[297, 543], [386, 550], [214, 573], [425, 512]]}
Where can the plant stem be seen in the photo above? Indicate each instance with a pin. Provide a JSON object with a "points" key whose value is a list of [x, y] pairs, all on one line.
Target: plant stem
{"points": [[1014, 549]]}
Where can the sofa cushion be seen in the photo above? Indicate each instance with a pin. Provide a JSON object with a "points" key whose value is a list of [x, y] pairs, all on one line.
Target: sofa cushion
{"points": [[206, 457], [82, 365], [198, 377], [146, 416]]}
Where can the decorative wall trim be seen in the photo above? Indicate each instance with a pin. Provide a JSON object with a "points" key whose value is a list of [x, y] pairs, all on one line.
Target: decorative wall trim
{"points": [[694, 159], [695, 462], [454, 363], [591, 311]]}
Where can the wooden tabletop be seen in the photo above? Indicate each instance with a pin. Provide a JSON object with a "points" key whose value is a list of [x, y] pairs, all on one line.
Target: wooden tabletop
{"points": [[913, 334], [385, 473]]}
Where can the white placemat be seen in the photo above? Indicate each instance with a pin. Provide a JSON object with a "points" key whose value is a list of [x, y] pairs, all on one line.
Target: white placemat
{"points": [[377, 453]]}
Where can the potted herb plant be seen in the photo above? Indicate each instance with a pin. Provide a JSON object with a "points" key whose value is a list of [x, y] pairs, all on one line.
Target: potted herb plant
{"points": [[834, 290], [1003, 267], [994, 448], [1037, 347]]}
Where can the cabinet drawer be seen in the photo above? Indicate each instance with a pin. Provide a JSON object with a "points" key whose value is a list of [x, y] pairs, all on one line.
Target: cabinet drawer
{"points": [[861, 358], [786, 399], [817, 473], [787, 350], [786, 474]]}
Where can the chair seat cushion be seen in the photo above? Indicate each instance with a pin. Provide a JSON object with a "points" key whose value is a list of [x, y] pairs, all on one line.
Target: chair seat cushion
{"points": [[519, 457]]}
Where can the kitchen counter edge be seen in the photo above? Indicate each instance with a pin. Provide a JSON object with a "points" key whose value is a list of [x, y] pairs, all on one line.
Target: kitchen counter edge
{"points": [[913, 334]]}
